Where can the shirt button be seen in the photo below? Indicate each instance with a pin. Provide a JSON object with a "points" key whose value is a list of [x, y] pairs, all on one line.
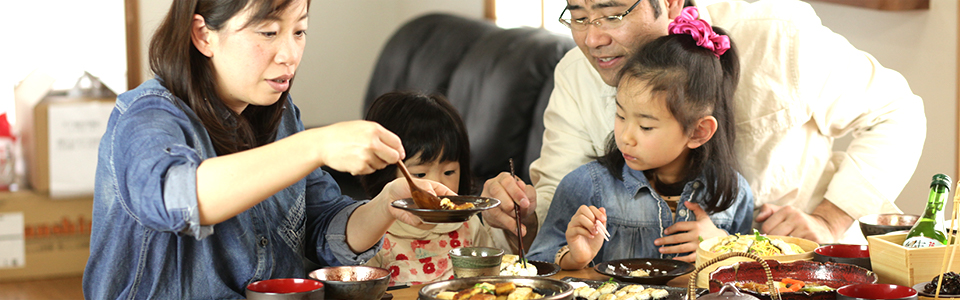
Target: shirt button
{"points": [[682, 213], [263, 242]]}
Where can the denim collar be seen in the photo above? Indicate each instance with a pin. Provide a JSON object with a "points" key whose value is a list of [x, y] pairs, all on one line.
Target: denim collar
{"points": [[634, 181]]}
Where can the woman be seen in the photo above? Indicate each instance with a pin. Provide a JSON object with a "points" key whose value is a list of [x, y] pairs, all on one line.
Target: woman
{"points": [[207, 180]]}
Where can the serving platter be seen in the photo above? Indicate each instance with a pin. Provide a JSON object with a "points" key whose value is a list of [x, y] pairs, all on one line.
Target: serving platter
{"points": [[445, 215], [674, 293], [552, 289]]}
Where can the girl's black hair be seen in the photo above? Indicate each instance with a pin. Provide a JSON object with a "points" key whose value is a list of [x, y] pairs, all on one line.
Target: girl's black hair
{"points": [[694, 84], [429, 126], [190, 76]]}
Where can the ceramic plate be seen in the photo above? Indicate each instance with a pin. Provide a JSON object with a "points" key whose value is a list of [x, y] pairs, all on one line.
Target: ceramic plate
{"points": [[552, 289], [661, 270], [674, 293], [919, 288], [448, 216]]}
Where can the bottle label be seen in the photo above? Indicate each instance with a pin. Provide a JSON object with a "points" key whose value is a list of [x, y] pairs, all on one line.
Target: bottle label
{"points": [[921, 242]]}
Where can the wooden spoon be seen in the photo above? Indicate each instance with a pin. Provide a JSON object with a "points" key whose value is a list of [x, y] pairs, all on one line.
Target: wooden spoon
{"points": [[421, 198]]}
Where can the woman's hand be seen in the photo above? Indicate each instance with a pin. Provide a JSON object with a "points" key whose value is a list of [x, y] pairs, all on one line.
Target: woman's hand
{"points": [[399, 189], [357, 147], [583, 236], [508, 190], [684, 237], [370, 222]]}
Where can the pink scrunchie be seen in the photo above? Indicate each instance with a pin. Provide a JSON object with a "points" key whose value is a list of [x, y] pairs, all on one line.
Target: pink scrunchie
{"points": [[689, 22]]}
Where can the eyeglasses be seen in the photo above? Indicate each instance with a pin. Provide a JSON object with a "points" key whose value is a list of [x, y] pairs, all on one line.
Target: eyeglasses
{"points": [[605, 22]]}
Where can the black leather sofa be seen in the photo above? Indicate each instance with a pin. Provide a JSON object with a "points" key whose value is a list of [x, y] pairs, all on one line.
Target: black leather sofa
{"points": [[498, 79]]}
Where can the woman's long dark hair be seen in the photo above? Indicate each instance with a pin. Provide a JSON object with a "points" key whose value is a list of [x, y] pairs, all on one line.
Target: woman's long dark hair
{"points": [[429, 126], [695, 84], [190, 76]]}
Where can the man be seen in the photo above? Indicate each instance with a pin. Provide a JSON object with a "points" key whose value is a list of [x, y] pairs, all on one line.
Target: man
{"points": [[801, 87]]}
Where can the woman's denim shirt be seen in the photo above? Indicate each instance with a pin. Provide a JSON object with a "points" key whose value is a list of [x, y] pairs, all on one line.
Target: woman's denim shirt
{"points": [[636, 215], [147, 241]]}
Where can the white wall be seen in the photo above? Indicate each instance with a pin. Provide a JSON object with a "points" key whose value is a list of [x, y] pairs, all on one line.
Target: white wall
{"points": [[921, 45], [343, 42]]}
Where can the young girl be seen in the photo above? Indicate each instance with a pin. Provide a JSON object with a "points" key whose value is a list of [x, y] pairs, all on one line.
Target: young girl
{"points": [[669, 176], [436, 139], [206, 179]]}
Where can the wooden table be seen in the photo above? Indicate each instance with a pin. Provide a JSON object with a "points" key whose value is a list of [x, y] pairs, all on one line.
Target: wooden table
{"points": [[411, 293]]}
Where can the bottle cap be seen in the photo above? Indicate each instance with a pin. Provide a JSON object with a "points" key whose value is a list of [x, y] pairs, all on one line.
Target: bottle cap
{"points": [[941, 179]]}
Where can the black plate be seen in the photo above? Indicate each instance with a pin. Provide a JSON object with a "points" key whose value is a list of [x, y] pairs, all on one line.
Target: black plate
{"points": [[661, 270], [919, 288], [545, 269], [674, 293], [448, 216]]}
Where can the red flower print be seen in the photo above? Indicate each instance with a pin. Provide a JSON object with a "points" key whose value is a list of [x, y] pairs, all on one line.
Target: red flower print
{"points": [[451, 277], [424, 260], [402, 256], [418, 244], [429, 268], [454, 243], [454, 234], [413, 271], [394, 271], [466, 243], [443, 244], [386, 243], [443, 264]]}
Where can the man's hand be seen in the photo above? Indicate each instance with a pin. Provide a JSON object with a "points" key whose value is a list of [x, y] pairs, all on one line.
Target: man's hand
{"points": [[826, 224], [508, 190]]}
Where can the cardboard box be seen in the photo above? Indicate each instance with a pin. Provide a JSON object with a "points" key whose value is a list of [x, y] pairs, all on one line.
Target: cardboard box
{"points": [[897, 264], [55, 236], [62, 149]]}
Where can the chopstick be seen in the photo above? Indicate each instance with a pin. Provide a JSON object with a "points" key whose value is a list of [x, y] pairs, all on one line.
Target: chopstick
{"points": [[603, 229], [516, 211]]}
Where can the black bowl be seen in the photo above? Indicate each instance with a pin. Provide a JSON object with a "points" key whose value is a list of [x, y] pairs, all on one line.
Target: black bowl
{"points": [[353, 282], [661, 270], [545, 269], [858, 255], [886, 223], [445, 215]]}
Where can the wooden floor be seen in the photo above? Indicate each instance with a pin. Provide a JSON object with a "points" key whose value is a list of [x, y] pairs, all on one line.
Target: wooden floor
{"points": [[48, 289]]}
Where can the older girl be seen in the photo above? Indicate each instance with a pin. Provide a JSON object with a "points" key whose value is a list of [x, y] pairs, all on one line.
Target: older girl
{"points": [[669, 176]]}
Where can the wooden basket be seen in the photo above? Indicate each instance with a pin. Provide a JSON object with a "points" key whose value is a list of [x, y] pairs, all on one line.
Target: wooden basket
{"points": [[704, 254], [897, 264], [692, 285]]}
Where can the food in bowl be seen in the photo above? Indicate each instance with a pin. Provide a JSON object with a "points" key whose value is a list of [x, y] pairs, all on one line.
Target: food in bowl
{"points": [[510, 265], [755, 243], [786, 285], [951, 284], [445, 203], [612, 290], [491, 291], [821, 273]]}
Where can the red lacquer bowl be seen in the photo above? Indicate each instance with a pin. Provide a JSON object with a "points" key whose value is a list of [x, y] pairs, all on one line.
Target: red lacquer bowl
{"points": [[825, 273]]}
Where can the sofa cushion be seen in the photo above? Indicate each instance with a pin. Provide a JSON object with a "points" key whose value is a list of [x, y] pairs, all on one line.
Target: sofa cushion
{"points": [[422, 54], [501, 87]]}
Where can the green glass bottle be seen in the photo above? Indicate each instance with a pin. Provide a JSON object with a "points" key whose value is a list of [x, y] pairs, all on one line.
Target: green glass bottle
{"points": [[929, 230]]}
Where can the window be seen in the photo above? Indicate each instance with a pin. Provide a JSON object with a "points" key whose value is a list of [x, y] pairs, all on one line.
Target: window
{"points": [[532, 13]]}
